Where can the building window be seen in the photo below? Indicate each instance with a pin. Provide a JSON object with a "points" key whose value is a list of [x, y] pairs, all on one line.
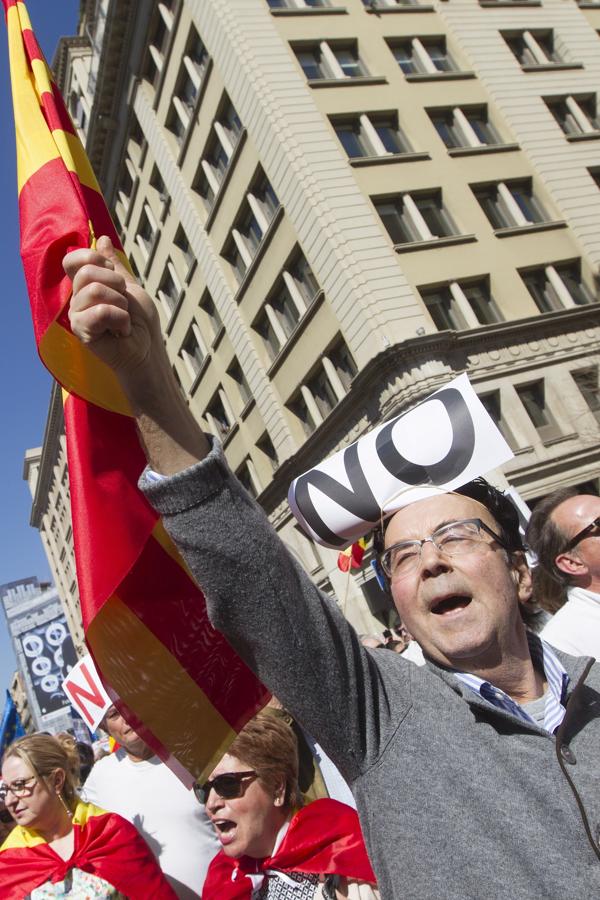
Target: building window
{"points": [[177, 120], [169, 290], [577, 116], [265, 445], [219, 415], [410, 218], [323, 391], [466, 126], [243, 388], [193, 351], [125, 188], [533, 48], [533, 398], [187, 87], [161, 196], [256, 216], [330, 60], [494, 408], [248, 477], [460, 305], [423, 56], [294, 291], [213, 321], [556, 287], [388, 4], [587, 382], [183, 246], [376, 134], [195, 58], [147, 232], [226, 132], [160, 30], [298, 4], [595, 176], [510, 204]]}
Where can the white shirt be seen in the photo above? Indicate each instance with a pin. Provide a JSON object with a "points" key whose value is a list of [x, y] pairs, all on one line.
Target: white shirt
{"points": [[167, 815], [575, 628]]}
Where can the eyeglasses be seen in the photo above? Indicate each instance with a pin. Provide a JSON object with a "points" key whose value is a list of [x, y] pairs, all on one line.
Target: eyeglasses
{"points": [[22, 787], [228, 786], [585, 532], [454, 539]]}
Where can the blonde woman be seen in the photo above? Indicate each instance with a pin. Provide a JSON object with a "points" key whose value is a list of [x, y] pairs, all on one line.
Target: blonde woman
{"points": [[60, 846]]}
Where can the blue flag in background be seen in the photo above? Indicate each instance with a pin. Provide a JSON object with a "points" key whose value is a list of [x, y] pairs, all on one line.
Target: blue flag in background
{"points": [[11, 727]]}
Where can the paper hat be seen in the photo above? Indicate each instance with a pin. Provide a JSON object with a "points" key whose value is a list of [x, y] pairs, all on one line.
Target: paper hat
{"points": [[437, 446]]}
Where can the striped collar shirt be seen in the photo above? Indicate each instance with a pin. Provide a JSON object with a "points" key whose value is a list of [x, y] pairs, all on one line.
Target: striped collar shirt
{"points": [[544, 660]]}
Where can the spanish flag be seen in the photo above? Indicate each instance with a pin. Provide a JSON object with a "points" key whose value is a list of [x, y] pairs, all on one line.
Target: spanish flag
{"points": [[352, 557], [176, 680], [105, 845]]}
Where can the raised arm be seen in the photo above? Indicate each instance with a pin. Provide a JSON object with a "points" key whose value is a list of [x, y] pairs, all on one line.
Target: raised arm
{"points": [[292, 636], [111, 313]]}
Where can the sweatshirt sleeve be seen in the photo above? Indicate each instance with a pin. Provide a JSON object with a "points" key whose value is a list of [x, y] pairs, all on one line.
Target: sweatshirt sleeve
{"points": [[291, 635]]}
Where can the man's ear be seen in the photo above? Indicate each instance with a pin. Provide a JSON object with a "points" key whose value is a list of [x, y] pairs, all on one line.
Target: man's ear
{"points": [[570, 564], [521, 574]]}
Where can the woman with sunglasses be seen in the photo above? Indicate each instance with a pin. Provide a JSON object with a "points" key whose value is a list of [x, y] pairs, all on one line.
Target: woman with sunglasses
{"points": [[273, 847], [62, 847]]}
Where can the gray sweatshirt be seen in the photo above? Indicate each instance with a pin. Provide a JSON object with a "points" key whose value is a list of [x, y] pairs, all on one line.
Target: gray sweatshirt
{"points": [[458, 800]]}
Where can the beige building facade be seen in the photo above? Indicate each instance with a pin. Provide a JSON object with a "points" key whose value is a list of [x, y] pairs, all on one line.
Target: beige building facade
{"points": [[45, 471], [339, 206], [21, 701]]}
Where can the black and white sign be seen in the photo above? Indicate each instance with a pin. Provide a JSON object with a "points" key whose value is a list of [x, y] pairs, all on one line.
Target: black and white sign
{"points": [[439, 445], [45, 648]]}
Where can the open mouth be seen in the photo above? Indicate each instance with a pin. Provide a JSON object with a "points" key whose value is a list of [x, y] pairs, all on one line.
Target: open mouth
{"points": [[446, 605], [225, 829]]}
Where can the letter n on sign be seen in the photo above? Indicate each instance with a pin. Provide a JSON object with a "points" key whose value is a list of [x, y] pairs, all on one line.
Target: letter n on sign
{"points": [[86, 693]]}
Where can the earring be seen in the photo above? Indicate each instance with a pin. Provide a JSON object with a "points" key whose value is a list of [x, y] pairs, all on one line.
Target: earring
{"points": [[68, 811]]}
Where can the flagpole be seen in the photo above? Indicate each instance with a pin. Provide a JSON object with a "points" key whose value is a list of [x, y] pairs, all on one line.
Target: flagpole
{"points": [[346, 591]]}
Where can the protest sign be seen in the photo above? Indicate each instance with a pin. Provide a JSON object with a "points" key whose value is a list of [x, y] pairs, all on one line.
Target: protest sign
{"points": [[437, 446], [86, 692]]}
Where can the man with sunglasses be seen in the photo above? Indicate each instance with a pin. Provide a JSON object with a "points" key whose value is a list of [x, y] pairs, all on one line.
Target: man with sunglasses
{"points": [[564, 532], [475, 775]]}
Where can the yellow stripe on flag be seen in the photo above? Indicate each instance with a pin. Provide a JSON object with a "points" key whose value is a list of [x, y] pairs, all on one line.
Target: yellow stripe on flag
{"points": [[63, 353], [35, 146], [183, 718]]}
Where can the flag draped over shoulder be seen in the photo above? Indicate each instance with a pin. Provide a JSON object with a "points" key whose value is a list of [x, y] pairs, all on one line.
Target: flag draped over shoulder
{"points": [[11, 727], [105, 845], [177, 680]]}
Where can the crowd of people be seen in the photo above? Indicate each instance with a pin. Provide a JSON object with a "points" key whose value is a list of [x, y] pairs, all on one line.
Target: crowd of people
{"points": [[470, 751]]}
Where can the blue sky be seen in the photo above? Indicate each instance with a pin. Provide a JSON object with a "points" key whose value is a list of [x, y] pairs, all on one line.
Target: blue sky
{"points": [[25, 383]]}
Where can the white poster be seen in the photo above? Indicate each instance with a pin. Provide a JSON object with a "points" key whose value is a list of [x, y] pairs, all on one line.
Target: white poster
{"points": [[445, 441], [86, 692]]}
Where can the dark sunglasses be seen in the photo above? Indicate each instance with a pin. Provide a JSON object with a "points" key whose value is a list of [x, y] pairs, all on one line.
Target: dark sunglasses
{"points": [[585, 532], [228, 786]]}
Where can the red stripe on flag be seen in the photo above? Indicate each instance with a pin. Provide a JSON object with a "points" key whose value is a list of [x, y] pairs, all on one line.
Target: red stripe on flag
{"points": [[172, 607], [55, 111], [105, 462], [32, 48], [54, 209], [52, 223], [111, 519], [8, 3]]}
